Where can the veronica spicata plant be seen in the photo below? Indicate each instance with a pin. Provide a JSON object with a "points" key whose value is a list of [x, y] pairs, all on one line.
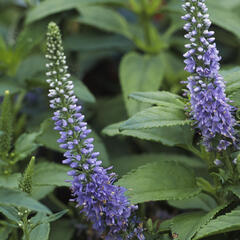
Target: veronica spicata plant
{"points": [[210, 106], [104, 203]]}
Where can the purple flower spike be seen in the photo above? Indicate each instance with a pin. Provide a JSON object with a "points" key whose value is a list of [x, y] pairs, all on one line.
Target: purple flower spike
{"points": [[209, 105], [93, 189]]}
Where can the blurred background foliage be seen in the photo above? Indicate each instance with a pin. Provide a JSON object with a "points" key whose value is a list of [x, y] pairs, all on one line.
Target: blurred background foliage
{"points": [[114, 48]]}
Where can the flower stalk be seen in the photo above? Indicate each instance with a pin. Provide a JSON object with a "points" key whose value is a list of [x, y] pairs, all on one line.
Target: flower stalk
{"points": [[210, 107], [93, 189]]}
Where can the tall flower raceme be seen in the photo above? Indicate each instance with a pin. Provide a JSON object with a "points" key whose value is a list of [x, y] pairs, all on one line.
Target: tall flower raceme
{"points": [[103, 203], [209, 104]]}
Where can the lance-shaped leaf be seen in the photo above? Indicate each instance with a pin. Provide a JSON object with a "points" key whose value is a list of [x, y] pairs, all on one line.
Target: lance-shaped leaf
{"points": [[222, 224], [122, 165], [231, 19], [160, 181], [50, 7], [40, 230], [185, 226], [10, 212], [170, 136], [202, 202], [11, 197], [50, 174], [4, 232], [232, 77], [105, 19], [10, 181], [160, 98], [217, 9], [25, 145], [139, 73], [235, 190], [156, 117], [82, 92]]}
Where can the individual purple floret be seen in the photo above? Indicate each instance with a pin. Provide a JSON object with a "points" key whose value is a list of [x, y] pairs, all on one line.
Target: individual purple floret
{"points": [[102, 202], [209, 104]]}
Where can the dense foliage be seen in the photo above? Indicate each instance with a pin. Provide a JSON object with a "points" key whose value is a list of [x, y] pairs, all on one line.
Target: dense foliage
{"points": [[162, 159]]}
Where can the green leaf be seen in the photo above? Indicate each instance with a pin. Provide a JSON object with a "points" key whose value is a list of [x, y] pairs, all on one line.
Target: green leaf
{"points": [[4, 232], [235, 97], [11, 197], [155, 117], [104, 18], [217, 9], [185, 226], [49, 136], [10, 181], [202, 201], [230, 4], [41, 232], [165, 226], [29, 38], [222, 224], [10, 84], [25, 145], [41, 221], [39, 192], [10, 212], [124, 164], [105, 117], [82, 91], [235, 190], [139, 73], [40, 218], [170, 136], [119, 2], [54, 217], [50, 7], [232, 77], [50, 174], [176, 182], [163, 98], [3, 46], [174, 67], [30, 67], [95, 41], [231, 19]]}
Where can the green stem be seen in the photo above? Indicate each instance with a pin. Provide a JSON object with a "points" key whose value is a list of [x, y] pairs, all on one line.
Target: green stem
{"points": [[146, 23], [195, 151], [14, 235], [25, 227], [228, 164], [18, 104]]}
